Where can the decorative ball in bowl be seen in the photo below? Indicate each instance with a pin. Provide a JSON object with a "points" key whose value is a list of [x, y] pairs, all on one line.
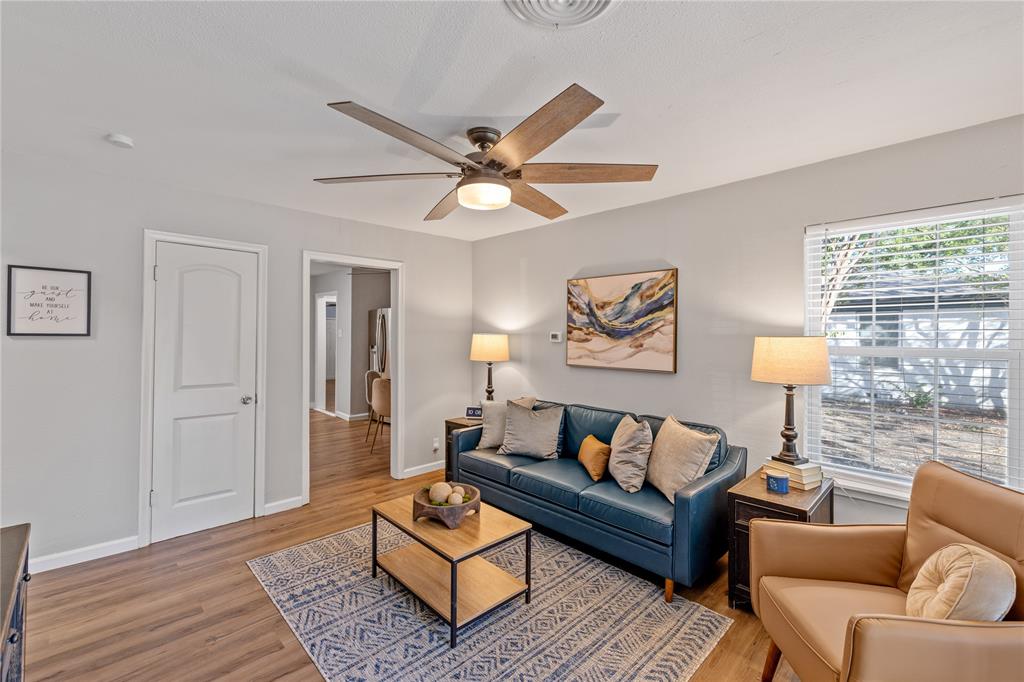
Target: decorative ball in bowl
{"points": [[449, 503]]}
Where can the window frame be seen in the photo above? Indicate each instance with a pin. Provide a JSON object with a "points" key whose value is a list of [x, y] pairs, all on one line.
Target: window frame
{"points": [[894, 490]]}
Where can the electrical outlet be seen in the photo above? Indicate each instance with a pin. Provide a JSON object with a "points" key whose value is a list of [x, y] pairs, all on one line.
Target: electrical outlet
{"points": [[437, 443]]}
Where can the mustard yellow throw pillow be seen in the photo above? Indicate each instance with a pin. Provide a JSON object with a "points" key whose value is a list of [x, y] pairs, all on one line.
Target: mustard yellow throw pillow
{"points": [[594, 456], [962, 582]]}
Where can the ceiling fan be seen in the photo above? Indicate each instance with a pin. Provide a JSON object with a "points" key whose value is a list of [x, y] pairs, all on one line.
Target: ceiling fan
{"points": [[497, 174]]}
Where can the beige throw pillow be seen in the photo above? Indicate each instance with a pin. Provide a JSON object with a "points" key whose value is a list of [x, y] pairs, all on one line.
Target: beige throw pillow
{"points": [[679, 455], [962, 582], [530, 432], [494, 416], [631, 448]]}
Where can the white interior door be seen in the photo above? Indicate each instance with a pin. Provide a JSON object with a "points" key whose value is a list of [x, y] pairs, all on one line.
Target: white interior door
{"points": [[204, 412]]}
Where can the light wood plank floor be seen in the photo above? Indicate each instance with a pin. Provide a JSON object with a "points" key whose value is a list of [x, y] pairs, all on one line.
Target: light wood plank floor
{"points": [[189, 609]]}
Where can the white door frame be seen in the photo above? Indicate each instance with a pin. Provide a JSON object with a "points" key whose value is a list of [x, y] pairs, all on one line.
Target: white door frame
{"points": [[397, 354], [320, 349], [150, 240]]}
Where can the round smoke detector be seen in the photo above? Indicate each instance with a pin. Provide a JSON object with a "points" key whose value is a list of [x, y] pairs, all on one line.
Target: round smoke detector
{"points": [[557, 13]]}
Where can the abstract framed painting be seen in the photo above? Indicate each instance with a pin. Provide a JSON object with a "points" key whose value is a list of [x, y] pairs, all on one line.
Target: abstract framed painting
{"points": [[623, 321]]}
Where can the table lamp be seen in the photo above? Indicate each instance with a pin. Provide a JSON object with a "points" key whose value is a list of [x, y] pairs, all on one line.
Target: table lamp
{"points": [[489, 348], [791, 361]]}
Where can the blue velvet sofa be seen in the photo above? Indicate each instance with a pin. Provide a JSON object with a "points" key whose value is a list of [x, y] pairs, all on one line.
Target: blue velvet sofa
{"points": [[679, 541]]}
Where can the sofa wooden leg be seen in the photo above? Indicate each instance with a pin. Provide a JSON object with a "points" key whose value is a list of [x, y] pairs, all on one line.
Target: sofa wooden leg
{"points": [[670, 587], [771, 662]]}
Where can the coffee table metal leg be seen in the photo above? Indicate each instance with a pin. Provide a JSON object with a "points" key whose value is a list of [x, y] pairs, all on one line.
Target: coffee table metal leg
{"points": [[529, 567], [453, 613], [373, 543]]}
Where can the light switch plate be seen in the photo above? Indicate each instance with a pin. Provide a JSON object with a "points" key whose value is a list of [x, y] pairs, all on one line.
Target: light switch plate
{"points": [[555, 337]]}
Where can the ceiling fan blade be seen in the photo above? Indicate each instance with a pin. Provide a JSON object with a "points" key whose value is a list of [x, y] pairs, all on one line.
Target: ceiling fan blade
{"points": [[534, 200], [448, 204], [543, 127], [390, 176], [400, 132], [586, 172]]}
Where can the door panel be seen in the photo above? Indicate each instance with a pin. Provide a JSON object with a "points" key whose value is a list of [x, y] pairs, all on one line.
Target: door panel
{"points": [[206, 293], [204, 436]]}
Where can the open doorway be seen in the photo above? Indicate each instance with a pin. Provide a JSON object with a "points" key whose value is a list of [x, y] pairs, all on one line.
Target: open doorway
{"points": [[352, 369]]}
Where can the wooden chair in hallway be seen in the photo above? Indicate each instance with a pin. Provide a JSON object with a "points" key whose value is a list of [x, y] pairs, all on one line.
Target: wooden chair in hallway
{"points": [[371, 376], [380, 403]]}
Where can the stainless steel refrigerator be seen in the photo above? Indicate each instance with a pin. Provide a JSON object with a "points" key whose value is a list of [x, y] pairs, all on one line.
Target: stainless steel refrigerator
{"points": [[380, 340]]}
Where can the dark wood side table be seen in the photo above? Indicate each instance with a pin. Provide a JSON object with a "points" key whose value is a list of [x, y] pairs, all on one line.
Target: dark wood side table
{"points": [[14, 577], [750, 499], [450, 425]]}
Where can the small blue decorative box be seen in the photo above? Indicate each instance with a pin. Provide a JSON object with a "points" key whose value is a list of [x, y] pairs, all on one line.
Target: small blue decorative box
{"points": [[777, 483]]}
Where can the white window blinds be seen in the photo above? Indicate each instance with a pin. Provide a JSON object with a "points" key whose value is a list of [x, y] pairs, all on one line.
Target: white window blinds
{"points": [[923, 317]]}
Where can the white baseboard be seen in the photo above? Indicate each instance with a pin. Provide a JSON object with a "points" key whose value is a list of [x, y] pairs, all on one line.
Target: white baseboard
{"points": [[282, 505], [352, 417], [423, 468], [76, 556]]}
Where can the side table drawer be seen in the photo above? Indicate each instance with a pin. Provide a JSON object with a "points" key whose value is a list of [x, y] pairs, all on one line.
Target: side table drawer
{"points": [[745, 512]]}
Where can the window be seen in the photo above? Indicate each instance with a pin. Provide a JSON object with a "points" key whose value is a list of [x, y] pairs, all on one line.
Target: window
{"points": [[923, 313]]}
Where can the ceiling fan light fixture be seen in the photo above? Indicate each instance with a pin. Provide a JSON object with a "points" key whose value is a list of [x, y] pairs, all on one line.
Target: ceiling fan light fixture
{"points": [[484, 191]]}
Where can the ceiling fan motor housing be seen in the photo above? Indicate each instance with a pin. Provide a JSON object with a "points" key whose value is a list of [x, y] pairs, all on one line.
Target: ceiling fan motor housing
{"points": [[483, 137]]}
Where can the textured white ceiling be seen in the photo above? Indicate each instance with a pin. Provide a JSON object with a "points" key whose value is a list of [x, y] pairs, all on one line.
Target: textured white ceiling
{"points": [[230, 98]]}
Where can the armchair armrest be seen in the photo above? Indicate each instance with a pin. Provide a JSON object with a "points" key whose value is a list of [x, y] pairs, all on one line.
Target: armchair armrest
{"points": [[870, 554], [884, 648], [463, 440], [700, 531]]}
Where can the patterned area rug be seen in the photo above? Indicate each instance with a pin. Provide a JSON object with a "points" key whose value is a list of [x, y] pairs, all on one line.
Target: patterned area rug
{"points": [[587, 620]]}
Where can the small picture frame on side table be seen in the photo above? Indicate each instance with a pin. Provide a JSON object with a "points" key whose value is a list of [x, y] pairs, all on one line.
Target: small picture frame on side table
{"points": [[48, 301]]}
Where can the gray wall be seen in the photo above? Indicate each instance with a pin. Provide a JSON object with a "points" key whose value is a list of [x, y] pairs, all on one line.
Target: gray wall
{"points": [[340, 282], [70, 437], [739, 250], [369, 291]]}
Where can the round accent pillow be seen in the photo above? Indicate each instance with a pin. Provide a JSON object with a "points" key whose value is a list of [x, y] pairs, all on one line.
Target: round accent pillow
{"points": [[962, 582]]}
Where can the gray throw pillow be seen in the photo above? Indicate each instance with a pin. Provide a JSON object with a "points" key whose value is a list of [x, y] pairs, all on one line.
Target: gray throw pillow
{"points": [[494, 417], [680, 455], [631, 448], [530, 432]]}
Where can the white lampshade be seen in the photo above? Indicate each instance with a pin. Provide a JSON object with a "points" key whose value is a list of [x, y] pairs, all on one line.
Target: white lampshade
{"points": [[791, 360], [489, 348]]}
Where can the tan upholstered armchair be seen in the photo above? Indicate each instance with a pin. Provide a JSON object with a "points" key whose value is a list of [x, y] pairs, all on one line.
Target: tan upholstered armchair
{"points": [[833, 598]]}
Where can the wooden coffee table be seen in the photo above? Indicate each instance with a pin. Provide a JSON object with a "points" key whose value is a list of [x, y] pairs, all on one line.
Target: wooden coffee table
{"points": [[444, 567]]}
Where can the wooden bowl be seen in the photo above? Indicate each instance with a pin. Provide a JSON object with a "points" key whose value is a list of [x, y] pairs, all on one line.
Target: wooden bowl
{"points": [[450, 515]]}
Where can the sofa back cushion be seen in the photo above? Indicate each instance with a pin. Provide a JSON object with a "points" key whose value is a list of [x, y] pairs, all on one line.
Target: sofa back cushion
{"points": [[547, 404], [583, 420], [947, 506], [717, 457]]}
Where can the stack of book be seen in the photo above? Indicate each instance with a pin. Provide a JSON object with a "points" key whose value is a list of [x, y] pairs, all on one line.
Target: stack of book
{"points": [[805, 476]]}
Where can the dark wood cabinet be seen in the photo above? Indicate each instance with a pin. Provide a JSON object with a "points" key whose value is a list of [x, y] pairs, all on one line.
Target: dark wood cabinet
{"points": [[14, 577], [750, 499], [451, 425]]}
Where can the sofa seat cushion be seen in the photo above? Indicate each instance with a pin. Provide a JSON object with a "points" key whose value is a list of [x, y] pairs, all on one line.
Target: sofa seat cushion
{"points": [[488, 463], [808, 619], [645, 512], [556, 480]]}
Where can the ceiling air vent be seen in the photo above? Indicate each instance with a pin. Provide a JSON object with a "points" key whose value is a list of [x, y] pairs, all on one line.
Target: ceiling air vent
{"points": [[557, 13]]}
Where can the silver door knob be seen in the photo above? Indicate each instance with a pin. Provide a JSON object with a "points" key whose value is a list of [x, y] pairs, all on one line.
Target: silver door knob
{"points": [[246, 399]]}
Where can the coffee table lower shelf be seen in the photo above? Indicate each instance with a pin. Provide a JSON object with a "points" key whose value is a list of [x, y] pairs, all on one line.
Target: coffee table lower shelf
{"points": [[481, 586]]}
